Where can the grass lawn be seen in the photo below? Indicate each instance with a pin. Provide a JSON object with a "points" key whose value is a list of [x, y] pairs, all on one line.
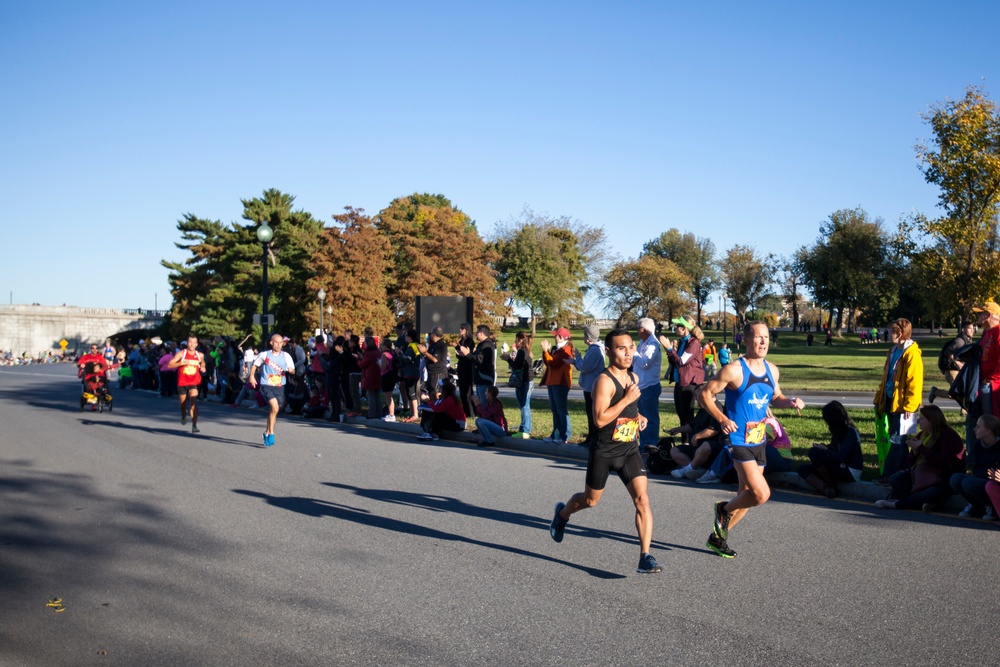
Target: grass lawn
{"points": [[846, 366]]}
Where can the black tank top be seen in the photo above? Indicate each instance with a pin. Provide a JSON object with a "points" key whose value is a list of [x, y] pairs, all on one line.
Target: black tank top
{"points": [[622, 435]]}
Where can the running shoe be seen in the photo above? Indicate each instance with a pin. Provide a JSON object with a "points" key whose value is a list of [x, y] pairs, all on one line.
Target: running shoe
{"points": [[184, 420], [435, 436], [721, 527], [932, 394], [195, 429], [389, 418], [709, 478], [990, 515], [270, 440], [648, 565], [968, 511], [558, 524], [267, 439], [680, 473], [720, 546], [424, 436], [694, 473]]}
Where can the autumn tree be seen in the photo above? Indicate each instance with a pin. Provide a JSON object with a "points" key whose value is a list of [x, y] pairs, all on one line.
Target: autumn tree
{"points": [[551, 266], [436, 250], [649, 286], [963, 160], [791, 276], [696, 259], [530, 268], [747, 277], [352, 267]]}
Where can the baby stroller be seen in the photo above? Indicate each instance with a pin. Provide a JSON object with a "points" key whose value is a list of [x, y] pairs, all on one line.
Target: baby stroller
{"points": [[95, 390]]}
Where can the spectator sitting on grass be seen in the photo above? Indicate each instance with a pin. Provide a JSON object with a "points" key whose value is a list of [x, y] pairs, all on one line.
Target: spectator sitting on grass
{"points": [[704, 444], [840, 461], [490, 421], [986, 457], [443, 414], [318, 402], [936, 453], [298, 395]]}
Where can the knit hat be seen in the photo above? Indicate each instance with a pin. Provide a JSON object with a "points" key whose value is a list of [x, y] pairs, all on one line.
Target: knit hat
{"points": [[592, 332]]}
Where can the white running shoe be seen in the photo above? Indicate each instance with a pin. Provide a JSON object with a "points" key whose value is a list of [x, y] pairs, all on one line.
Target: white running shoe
{"points": [[389, 418], [680, 473], [709, 478]]}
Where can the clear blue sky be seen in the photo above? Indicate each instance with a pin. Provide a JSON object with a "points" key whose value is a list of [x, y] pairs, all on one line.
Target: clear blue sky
{"points": [[742, 122]]}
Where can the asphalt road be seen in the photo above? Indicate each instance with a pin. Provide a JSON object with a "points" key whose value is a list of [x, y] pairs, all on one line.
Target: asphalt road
{"points": [[343, 546]]}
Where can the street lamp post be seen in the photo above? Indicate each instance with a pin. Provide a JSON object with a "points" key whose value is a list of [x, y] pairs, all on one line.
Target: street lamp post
{"points": [[264, 235], [725, 297], [322, 297]]}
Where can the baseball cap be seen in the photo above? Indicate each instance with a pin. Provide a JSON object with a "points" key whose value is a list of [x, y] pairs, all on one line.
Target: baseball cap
{"points": [[683, 321], [990, 307], [562, 332]]}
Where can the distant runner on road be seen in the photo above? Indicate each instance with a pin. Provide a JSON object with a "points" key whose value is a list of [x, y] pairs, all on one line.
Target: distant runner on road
{"points": [[190, 364], [615, 448], [274, 365]]}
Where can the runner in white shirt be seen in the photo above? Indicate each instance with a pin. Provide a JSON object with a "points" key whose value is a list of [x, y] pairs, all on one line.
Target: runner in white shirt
{"points": [[274, 366]]}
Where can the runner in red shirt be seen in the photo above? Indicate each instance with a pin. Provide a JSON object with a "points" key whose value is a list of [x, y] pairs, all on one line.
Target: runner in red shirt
{"points": [[190, 364]]}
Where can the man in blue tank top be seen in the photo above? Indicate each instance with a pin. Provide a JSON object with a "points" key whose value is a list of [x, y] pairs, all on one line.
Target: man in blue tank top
{"points": [[615, 447], [750, 386]]}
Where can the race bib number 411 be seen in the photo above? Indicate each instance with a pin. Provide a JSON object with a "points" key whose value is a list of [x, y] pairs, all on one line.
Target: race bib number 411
{"points": [[626, 429]]}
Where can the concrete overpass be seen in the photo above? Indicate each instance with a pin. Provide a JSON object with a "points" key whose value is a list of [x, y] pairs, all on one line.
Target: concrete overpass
{"points": [[37, 329]]}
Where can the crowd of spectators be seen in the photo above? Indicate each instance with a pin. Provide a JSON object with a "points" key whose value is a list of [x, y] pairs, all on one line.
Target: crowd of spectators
{"points": [[446, 385]]}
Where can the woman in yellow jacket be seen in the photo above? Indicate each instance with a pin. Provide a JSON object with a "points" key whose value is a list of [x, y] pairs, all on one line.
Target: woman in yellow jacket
{"points": [[899, 394]]}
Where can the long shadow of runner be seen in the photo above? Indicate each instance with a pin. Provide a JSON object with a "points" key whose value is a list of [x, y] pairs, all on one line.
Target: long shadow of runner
{"points": [[322, 508], [166, 431], [456, 506]]}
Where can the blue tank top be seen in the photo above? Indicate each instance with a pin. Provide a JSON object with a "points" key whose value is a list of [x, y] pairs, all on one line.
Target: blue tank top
{"points": [[747, 406]]}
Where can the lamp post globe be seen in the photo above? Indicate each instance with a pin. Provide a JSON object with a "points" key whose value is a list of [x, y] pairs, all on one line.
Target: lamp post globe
{"points": [[265, 233]]}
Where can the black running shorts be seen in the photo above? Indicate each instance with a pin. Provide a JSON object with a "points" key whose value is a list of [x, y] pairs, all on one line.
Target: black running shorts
{"points": [[756, 453], [599, 467]]}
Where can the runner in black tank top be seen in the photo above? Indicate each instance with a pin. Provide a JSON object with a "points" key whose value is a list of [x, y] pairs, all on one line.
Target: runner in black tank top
{"points": [[616, 447]]}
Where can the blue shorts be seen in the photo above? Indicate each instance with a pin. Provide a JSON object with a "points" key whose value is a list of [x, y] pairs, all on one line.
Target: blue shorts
{"points": [[272, 393]]}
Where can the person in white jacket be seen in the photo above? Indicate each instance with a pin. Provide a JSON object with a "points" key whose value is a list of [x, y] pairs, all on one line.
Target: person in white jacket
{"points": [[646, 365]]}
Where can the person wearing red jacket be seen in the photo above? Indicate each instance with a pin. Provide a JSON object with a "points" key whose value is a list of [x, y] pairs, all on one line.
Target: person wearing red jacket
{"points": [[94, 357], [444, 414], [558, 379], [936, 453]]}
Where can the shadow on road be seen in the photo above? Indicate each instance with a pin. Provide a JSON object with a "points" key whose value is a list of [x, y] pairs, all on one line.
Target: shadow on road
{"points": [[183, 432], [322, 508]]}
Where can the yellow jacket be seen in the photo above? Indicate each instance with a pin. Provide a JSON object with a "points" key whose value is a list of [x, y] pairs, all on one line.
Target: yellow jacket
{"points": [[907, 382]]}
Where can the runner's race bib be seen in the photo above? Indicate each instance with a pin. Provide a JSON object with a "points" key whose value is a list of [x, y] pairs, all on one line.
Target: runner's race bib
{"points": [[626, 430], [755, 433]]}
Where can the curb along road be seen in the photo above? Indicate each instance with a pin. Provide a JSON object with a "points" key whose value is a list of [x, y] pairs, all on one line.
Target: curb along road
{"points": [[867, 492]]}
